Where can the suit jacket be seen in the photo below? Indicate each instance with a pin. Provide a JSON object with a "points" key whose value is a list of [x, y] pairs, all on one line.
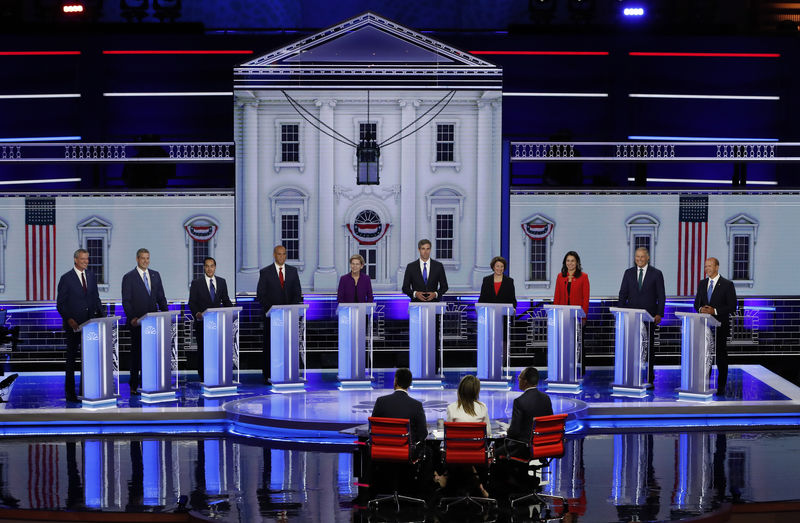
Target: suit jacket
{"points": [[723, 298], [578, 295], [530, 404], [200, 296], [73, 303], [507, 293], [400, 405], [135, 300], [269, 291], [650, 298], [413, 282]]}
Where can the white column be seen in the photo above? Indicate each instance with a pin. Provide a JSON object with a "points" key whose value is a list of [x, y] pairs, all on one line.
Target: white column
{"points": [[484, 178], [325, 277], [407, 215], [249, 225]]}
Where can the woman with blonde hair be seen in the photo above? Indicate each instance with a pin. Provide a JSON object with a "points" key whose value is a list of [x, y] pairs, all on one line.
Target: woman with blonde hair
{"points": [[467, 407]]}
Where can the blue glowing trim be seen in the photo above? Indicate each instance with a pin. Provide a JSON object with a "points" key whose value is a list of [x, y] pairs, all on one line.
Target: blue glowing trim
{"points": [[699, 139], [88, 428], [678, 304], [319, 297], [244, 299], [41, 139], [754, 308], [32, 309], [633, 11], [595, 301], [293, 435]]}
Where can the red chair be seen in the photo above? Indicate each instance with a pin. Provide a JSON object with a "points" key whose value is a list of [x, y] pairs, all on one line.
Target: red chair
{"points": [[546, 444], [390, 441], [466, 445]]}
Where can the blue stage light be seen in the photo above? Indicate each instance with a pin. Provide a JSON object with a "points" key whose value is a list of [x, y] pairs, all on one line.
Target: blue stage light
{"points": [[633, 11]]}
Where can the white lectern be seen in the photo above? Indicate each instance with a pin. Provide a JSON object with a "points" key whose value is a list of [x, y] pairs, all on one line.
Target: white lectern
{"points": [[159, 356], [220, 338], [490, 344], [98, 350], [284, 321], [564, 347], [631, 345], [422, 343], [355, 321], [697, 352]]}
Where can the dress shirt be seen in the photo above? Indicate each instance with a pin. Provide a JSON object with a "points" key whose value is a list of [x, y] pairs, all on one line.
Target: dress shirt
{"points": [[644, 272], [141, 276], [715, 279], [208, 284], [456, 413], [422, 267], [278, 270], [80, 276]]}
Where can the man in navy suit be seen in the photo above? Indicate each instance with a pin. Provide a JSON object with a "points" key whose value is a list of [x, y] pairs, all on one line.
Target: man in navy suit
{"points": [[717, 296], [142, 292], [207, 292], [77, 301], [530, 404], [643, 288], [278, 284], [425, 279], [400, 405]]}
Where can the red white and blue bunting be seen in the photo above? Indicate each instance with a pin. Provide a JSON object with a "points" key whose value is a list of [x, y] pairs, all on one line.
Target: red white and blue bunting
{"points": [[368, 233], [537, 231], [201, 233]]}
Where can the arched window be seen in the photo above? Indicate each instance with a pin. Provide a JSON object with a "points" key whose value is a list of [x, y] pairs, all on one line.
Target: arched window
{"points": [[201, 240], [537, 238], [94, 235], [642, 232]]}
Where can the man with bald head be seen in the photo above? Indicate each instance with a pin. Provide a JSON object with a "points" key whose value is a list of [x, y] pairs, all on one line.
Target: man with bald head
{"points": [[278, 284], [717, 296]]}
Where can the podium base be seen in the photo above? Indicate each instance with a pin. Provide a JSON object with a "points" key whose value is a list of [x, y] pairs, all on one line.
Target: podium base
{"points": [[434, 384], [99, 404], [689, 395], [355, 385], [284, 387], [158, 397], [565, 387], [629, 391], [496, 384], [219, 390]]}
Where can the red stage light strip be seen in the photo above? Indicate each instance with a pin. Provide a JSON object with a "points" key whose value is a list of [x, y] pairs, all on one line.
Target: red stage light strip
{"points": [[189, 51], [544, 53], [38, 53], [710, 55]]}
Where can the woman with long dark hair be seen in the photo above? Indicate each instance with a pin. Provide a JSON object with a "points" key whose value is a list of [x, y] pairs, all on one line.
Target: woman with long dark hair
{"points": [[572, 288]]}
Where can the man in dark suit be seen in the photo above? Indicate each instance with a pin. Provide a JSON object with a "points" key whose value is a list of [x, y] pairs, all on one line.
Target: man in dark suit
{"points": [[142, 292], [425, 279], [530, 404], [400, 405], [207, 292], [643, 288], [77, 301], [717, 296], [278, 284]]}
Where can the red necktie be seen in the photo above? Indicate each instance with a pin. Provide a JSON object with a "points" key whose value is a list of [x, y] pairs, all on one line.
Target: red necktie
{"points": [[83, 281], [280, 276]]}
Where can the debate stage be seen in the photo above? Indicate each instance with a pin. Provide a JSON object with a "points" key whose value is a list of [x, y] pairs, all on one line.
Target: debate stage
{"points": [[757, 399]]}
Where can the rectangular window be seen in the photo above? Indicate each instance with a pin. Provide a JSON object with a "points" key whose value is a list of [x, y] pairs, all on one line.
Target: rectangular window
{"points": [[290, 235], [445, 142], [538, 264], [96, 261], [444, 236], [367, 128], [199, 253], [371, 259], [290, 142], [641, 241], [741, 257]]}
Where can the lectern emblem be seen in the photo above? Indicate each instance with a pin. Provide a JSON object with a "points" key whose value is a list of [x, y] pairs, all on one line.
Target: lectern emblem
{"points": [[150, 330], [92, 336], [211, 325]]}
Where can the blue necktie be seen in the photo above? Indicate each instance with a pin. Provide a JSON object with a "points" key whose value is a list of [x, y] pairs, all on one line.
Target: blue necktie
{"points": [[710, 289], [212, 291], [146, 283], [425, 271]]}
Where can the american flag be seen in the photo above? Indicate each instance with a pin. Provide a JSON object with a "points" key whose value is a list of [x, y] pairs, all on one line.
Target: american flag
{"points": [[43, 476], [40, 248], [692, 242]]}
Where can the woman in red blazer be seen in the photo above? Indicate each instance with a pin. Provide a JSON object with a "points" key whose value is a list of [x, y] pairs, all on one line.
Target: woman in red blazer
{"points": [[572, 288]]}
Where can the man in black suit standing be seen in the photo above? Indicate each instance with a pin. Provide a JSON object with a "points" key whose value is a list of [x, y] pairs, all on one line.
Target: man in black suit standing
{"points": [[142, 292], [530, 404], [278, 284], [400, 405], [77, 301], [643, 288], [207, 292], [425, 279], [717, 296]]}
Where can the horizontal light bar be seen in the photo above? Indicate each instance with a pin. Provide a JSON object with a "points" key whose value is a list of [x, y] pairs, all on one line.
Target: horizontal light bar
{"points": [[28, 182], [559, 95], [633, 11], [702, 96], [38, 96], [698, 139], [543, 53], [721, 182], [709, 55], [185, 93], [38, 53], [41, 139], [180, 51]]}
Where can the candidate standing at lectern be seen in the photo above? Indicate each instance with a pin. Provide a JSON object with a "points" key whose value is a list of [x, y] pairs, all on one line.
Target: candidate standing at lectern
{"points": [[425, 279], [278, 284], [77, 301], [717, 296], [207, 292], [643, 288]]}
